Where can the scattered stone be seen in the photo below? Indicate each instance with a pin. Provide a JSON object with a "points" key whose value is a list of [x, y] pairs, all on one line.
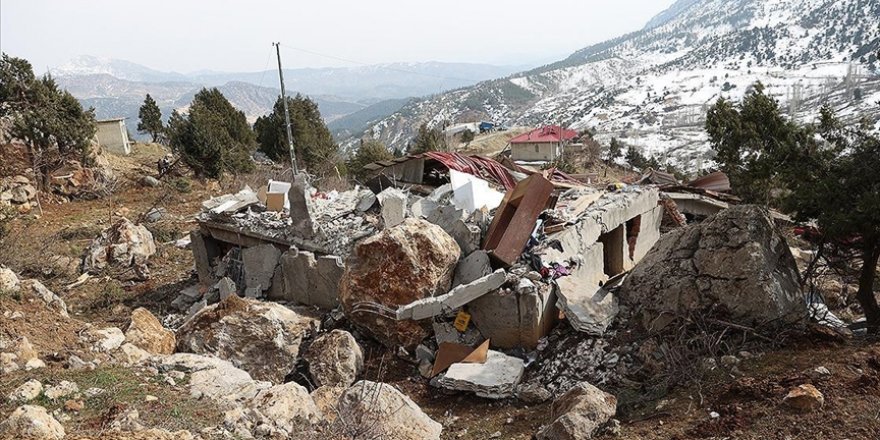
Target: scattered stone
{"points": [[226, 288], [335, 359], [29, 421], [395, 267], [150, 398], [497, 378], [582, 411], [130, 354], [74, 362], [213, 378], [729, 361], [104, 340], [26, 392], [154, 215], [63, 389], [34, 364], [287, 407], [378, 410], [93, 391], [8, 280], [262, 338], [821, 372], [23, 350], [532, 393], [122, 245], [147, 333], [36, 289], [735, 260], [74, 405], [804, 398], [8, 363], [149, 181]]}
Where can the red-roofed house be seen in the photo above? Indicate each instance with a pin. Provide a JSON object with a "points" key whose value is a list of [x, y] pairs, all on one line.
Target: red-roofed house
{"points": [[541, 144]]}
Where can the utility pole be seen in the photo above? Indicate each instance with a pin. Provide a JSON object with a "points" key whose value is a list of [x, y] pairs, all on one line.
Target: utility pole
{"points": [[286, 113]]}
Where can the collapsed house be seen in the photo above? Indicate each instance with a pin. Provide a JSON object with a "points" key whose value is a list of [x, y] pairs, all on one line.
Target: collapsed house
{"points": [[524, 250]]}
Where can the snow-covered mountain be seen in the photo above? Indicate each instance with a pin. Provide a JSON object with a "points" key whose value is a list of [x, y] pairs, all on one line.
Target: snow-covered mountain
{"points": [[652, 87], [369, 84]]}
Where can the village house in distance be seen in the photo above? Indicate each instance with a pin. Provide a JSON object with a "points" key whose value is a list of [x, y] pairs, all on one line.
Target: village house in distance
{"points": [[545, 144]]}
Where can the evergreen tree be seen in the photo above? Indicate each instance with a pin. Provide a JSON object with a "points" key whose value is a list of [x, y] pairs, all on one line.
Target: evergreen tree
{"points": [[213, 137], [751, 140], [428, 139], [615, 150], [312, 141], [150, 119], [50, 121], [636, 159], [370, 151], [467, 136]]}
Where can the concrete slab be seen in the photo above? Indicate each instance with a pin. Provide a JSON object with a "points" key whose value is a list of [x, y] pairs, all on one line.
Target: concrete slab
{"points": [[205, 250], [452, 220], [457, 297], [473, 267], [497, 378], [515, 318], [311, 281], [259, 265]]}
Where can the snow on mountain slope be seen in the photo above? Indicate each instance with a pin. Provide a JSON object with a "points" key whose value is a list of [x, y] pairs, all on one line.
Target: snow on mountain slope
{"points": [[651, 88]]}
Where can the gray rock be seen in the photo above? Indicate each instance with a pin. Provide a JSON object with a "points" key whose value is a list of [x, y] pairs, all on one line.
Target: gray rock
{"points": [[149, 181], [497, 378], [471, 268], [335, 359], [582, 411], [378, 410], [393, 203], [26, 392], [735, 261], [259, 265]]}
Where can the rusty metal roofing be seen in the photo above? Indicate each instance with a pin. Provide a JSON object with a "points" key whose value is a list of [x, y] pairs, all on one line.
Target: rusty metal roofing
{"points": [[717, 181]]}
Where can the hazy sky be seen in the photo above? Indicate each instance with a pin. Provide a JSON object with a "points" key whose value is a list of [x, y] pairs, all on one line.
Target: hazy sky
{"points": [[225, 35]]}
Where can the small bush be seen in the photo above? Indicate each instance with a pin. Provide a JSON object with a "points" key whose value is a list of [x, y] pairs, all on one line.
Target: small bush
{"points": [[182, 185]]}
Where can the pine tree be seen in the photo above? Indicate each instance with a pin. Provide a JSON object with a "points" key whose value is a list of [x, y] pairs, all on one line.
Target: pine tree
{"points": [[213, 137], [428, 139], [150, 119], [615, 150], [370, 151], [312, 141], [50, 121]]}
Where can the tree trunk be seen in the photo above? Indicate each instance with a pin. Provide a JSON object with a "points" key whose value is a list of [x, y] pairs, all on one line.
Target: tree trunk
{"points": [[871, 254]]}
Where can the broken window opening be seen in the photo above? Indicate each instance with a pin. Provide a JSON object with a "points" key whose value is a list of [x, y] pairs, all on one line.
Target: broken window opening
{"points": [[633, 227], [612, 251]]}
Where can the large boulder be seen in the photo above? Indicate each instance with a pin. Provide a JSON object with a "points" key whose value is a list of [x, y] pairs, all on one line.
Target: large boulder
{"points": [[411, 261], [8, 280], [122, 245], [734, 264], [147, 333], [581, 411], [261, 338], [29, 421], [378, 410], [335, 359]]}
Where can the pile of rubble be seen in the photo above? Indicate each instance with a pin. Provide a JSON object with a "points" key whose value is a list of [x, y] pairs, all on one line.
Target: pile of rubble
{"points": [[508, 286], [18, 191]]}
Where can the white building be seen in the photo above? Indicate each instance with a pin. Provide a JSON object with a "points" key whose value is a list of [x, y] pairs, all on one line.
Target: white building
{"points": [[113, 136]]}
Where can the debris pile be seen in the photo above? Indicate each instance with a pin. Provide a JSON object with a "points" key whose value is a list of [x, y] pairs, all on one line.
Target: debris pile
{"points": [[124, 245]]}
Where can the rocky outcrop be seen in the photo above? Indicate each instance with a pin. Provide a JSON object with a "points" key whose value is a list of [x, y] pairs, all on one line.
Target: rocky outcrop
{"points": [[122, 245], [261, 338], [734, 264], [378, 410], [582, 410], [335, 359], [29, 421], [147, 333], [400, 265]]}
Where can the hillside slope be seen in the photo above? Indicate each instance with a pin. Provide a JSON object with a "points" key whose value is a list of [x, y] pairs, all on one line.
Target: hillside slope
{"points": [[652, 87]]}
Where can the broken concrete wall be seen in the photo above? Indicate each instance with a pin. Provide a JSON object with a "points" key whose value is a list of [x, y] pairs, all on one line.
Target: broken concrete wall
{"points": [[205, 250], [516, 317], [310, 280]]}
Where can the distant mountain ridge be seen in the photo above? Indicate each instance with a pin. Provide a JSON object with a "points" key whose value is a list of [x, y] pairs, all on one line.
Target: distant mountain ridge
{"points": [[117, 87], [651, 87]]}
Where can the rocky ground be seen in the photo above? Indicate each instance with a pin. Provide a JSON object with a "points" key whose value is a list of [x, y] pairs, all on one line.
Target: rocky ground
{"points": [[92, 358]]}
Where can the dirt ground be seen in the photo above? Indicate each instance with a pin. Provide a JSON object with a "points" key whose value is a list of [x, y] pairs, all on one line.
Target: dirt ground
{"points": [[748, 404]]}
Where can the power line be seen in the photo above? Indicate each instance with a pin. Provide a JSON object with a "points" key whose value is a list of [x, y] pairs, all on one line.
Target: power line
{"points": [[380, 66], [266, 67]]}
